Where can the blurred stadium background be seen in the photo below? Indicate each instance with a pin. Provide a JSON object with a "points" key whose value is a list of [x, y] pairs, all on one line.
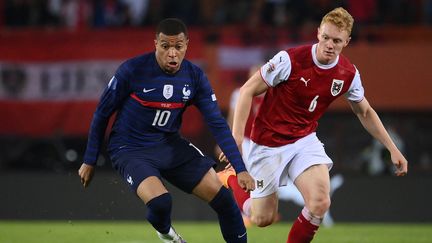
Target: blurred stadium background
{"points": [[56, 56]]}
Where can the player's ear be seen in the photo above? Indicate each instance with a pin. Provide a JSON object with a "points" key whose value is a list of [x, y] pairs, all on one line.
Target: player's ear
{"points": [[156, 40], [347, 41]]}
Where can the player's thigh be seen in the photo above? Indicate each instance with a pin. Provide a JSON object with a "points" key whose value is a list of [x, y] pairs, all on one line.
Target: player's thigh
{"points": [[310, 169], [265, 207], [314, 183], [268, 167], [190, 174], [208, 187], [150, 188], [137, 170]]}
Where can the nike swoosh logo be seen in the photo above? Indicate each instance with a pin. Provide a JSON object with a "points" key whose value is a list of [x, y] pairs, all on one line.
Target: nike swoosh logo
{"points": [[148, 90], [241, 236]]}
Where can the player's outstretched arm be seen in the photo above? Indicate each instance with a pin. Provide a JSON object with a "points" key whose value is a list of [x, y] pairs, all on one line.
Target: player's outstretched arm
{"points": [[86, 173], [372, 123], [253, 87]]}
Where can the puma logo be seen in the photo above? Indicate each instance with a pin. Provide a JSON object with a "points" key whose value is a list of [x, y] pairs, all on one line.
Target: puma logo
{"points": [[304, 81]]}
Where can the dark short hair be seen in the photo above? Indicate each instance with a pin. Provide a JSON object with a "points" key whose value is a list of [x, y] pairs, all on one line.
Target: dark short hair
{"points": [[171, 26]]}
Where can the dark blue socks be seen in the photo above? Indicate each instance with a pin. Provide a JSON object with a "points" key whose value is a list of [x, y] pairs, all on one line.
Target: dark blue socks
{"points": [[159, 212], [230, 219]]}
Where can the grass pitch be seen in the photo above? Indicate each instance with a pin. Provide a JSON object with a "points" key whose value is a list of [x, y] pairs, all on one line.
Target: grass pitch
{"points": [[197, 232]]}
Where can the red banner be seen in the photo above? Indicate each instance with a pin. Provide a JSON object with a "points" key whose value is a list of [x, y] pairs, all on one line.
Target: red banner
{"points": [[50, 82]]}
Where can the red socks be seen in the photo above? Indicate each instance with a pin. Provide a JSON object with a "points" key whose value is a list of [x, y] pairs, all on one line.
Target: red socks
{"points": [[303, 230], [240, 195]]}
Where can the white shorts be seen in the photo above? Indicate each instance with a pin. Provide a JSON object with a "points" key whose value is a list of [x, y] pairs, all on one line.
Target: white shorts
{"points": [[272, 167]]}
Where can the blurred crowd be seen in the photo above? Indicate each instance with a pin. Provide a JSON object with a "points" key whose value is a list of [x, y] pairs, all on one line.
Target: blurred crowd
{"points": [[256, 19], [77, 14]]}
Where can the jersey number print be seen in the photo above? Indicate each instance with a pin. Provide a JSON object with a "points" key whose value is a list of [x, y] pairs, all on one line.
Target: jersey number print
{"points": [[161, 118], [313, 104]]}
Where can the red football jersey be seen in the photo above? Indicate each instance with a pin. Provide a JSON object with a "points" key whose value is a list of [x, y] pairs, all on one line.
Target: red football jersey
{"points": [[300, 91]]}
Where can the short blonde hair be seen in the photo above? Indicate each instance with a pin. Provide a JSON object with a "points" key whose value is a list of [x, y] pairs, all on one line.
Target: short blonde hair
{"points": [[341, 18]]}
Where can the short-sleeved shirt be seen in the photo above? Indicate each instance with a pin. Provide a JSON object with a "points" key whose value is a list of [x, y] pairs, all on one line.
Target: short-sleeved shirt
{"points": [[300, 91]]}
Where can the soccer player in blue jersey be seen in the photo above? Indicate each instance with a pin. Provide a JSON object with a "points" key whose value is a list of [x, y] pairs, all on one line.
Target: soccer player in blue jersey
{"points": [[150, 93]]}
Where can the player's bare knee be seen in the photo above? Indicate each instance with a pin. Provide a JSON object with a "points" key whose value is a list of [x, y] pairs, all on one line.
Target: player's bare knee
{"points": [[319, 206], [262, 220]]}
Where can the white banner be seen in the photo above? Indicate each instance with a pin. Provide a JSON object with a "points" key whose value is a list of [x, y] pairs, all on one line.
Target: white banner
{"points": [[240, 57]]}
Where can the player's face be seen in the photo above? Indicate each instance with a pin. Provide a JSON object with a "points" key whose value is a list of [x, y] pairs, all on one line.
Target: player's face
{"points": [[170, 51], [331, 41]]}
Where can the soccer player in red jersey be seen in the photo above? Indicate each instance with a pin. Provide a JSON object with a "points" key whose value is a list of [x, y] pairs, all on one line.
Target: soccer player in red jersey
{"points": [[300, 83]]}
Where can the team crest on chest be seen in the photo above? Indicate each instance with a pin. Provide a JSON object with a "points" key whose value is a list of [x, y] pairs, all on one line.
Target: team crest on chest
{"points": [[336, 86], [186, 92], [168, 91]]}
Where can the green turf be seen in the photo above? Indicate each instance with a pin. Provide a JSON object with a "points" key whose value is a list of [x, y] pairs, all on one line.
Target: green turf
{"points": [[135, 232]]}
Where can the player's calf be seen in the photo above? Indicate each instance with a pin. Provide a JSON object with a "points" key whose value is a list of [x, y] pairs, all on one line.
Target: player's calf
{"points": [[230, 219], [159, 216], [229, 180], [304, 227]]}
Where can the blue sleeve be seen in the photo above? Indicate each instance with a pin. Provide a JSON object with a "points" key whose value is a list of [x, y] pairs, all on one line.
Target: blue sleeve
{"points": [[110, 101], [205, 101]]}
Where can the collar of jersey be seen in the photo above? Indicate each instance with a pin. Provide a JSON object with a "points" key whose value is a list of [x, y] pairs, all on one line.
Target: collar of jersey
{"points": [[322, 66]]}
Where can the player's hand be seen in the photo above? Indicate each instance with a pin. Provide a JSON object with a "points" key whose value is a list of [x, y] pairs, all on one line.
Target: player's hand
{"points": [[246, 181], [400, 163], [86, 172]]}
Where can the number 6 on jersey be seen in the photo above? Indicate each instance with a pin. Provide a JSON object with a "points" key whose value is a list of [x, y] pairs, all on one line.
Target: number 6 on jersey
{"points": [[313, 104]]}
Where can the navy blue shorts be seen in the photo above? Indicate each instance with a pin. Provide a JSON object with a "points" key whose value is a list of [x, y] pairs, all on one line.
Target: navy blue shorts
{"points": [[177, 161]]}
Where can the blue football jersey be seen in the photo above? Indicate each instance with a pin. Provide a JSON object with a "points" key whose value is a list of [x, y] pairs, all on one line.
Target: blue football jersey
{"points": [[149, 105]]}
